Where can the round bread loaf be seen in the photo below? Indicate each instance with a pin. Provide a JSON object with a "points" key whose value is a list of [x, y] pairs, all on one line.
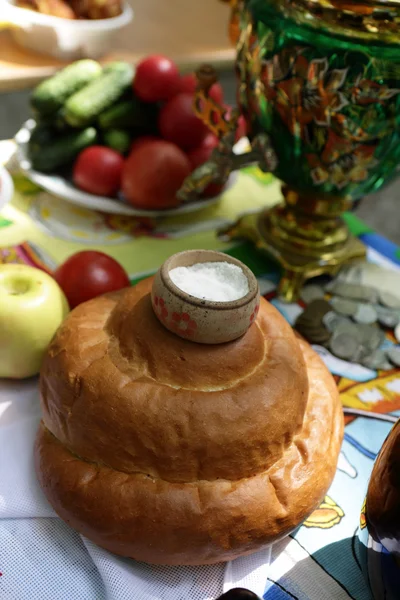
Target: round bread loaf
{"points": [[171, 452]]}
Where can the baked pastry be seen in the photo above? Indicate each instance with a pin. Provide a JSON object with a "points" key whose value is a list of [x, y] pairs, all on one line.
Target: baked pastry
{"points": [[96, 9], [54, 8], [171, 452]]}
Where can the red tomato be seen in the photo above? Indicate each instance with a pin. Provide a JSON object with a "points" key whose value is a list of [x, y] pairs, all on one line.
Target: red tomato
{"points": [[188, 83], [179, 124], [242, 128], [88, 274], [143, 140], [153, 174], [200, 155], [210, 141], [217, 93], [212, 190], [157, 78], [97, 170]]}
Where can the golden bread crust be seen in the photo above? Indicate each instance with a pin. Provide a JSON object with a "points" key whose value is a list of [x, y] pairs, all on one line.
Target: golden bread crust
{"points": [[121, 390], [174, 453]]}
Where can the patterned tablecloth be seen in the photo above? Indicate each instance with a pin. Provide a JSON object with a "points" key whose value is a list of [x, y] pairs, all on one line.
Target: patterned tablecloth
{"points": [[322, 559]]}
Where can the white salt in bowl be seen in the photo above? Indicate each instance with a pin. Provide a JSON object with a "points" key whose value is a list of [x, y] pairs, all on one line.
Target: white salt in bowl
{"points": [[197, 319]]}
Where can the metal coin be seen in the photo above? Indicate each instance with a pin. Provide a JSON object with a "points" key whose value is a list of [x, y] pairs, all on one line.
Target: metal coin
{"points": [[351, 329], [332, 320], [388, 320], [344, 345], [317, 334], [377, 361], [312, 340], [314, 333], [372, 337], [311, 292], [318, 340], [354, 291], [307, 320], [373, 360], [361, 352], [310, 324], [318, 307], [310, 317], [385, 366], [365, 331], [368, 333], [365, 313], [329, 287], [344, 307], [389, 300], [351, 274], [323, 335], [394, 356], [384, 310], [313, 327]]}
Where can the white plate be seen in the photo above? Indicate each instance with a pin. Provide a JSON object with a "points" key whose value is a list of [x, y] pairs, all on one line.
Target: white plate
{"points": [[6, 187], [61, 187]]}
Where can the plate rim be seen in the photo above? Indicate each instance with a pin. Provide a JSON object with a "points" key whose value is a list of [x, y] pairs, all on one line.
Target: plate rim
{"points": [[6, 187], [50, 183]]}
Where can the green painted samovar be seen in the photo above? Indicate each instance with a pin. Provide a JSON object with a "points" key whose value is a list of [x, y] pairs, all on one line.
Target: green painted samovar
{"points": [[318, 85]]}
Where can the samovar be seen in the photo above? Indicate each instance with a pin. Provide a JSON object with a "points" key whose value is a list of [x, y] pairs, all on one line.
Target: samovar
{"points": [[318, 85]]}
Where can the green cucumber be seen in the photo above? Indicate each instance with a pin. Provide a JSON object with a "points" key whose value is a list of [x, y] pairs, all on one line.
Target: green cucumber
{"points": [[130, 114], [49, 96], [118, 140], [118, 66], [84, 107], [42, 135], [56, 121], [59, 121], [62, 150]]}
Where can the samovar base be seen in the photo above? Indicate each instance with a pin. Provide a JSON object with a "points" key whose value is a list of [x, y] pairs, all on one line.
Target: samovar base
{"points": [[299, 263]]}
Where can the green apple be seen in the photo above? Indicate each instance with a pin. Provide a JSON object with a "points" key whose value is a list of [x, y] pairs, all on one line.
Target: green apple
{"points": [[32, 307]]}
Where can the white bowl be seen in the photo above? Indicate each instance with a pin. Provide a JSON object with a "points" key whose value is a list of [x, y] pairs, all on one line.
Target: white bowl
{"points": [[6, 187], [63, 38]]}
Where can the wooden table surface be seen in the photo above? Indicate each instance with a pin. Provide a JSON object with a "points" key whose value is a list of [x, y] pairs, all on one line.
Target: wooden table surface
{"points": [[191, 32]]}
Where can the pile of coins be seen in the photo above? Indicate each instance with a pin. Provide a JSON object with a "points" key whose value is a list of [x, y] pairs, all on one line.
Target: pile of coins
{"points": [[352, 323], [311, 323]]}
